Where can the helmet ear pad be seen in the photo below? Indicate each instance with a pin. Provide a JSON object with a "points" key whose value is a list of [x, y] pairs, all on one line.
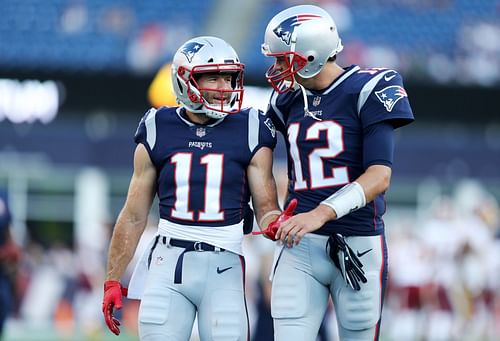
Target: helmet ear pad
{"points": [[194, 95], [184, 85]]}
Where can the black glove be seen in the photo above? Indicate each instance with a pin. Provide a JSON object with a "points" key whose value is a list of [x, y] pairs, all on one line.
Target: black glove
{"points": [[346, 261]]}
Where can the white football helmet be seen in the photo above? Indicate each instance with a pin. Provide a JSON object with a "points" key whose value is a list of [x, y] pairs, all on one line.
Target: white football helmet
{"points": [[206, 55], [306, 36]]}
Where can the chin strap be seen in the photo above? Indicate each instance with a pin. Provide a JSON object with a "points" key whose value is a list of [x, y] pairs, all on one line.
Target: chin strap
{"points": [[306, 105], [293, 41]]}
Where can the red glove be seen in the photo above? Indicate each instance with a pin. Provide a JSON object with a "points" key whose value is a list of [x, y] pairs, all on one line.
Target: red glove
{"points": [[113, 292], [273, 227]]}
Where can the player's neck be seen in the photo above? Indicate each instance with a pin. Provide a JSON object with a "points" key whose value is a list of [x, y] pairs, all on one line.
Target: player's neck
{"points": [[197, 118], [322, 80]]}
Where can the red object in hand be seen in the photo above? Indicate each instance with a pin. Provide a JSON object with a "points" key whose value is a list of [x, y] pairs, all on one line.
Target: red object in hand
{"points": [[273, 227], [113, 292]]}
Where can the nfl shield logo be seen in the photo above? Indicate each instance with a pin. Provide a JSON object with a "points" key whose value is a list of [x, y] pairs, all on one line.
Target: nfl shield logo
{"points": [[200, 132], [316, 101]]}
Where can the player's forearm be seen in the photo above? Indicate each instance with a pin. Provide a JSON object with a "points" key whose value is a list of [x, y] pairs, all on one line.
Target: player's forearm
{"points": [[266, 203], [263, 187], [375, 180], [126, 235]]}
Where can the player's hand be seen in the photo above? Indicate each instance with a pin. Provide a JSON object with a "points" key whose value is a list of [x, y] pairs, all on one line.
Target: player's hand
{"points": [[293, 230], [272, 228], [113, 292]]}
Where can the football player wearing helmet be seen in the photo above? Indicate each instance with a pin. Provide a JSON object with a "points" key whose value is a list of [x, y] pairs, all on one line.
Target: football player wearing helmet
{"points": [[338, 125], [204, 160]]}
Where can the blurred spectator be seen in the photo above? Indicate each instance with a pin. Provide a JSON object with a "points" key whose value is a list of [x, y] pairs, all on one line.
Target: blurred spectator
{"points": [[444, 273], [118, 20], [155, 43], [479, 53], [74, 18]]}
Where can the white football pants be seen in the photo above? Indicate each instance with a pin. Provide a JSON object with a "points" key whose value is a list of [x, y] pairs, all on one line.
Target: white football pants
{"points": [[304, 276], [211, 285]]}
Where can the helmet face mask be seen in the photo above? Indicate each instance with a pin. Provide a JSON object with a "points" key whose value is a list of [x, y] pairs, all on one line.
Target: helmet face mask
{"points": [[283, 80], [207, 55], [198, 94], [306, 36]]}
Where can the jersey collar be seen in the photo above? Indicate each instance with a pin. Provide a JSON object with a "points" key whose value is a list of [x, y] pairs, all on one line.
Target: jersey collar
{"points": [[181, 113], [348, 72]]}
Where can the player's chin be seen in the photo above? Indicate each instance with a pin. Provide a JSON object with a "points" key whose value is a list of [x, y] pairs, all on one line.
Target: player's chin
{"points": [[219, 102]]}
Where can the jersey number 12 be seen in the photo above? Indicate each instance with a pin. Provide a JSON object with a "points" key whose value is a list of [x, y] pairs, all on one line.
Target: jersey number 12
{"points": [[334, 146]]}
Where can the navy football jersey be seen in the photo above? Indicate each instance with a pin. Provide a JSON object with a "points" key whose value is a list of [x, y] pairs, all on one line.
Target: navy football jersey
{"points": [[325, 152], [202, 169]]}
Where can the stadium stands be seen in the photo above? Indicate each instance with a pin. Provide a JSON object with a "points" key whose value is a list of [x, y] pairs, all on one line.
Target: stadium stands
{"points": [[90, 35], [423, 39]]}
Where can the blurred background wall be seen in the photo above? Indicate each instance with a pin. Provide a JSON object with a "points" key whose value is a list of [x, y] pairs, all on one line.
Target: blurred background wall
{"points": [[76, 77]]}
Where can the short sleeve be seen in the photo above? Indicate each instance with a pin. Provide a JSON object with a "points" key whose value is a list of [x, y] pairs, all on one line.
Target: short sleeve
{"points": [[278, 105], [261, 131], [146, 130], [384, 99], [267, 133]]}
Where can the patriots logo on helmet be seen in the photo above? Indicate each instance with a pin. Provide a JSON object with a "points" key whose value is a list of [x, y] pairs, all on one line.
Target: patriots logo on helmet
{"points": [[391, 95], [190, 49], [285, 29]]}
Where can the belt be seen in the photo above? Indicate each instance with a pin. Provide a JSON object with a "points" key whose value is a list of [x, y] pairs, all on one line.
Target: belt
{"points": [[191, 246], [188, 246]]}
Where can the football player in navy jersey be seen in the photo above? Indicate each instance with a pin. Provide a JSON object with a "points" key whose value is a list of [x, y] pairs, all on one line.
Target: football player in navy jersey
{"points": [[204, 161], [338, 125]]}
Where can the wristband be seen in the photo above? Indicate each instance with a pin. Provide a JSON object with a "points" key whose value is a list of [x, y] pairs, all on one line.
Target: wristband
{"points": [[349, 198], [276, 212]]}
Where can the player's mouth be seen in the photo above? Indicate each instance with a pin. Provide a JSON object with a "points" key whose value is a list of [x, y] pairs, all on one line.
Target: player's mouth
{"points": [[220, 100]]}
